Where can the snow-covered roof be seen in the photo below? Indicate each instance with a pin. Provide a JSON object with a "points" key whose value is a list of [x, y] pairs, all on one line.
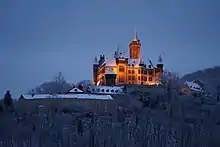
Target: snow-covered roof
{"points": [[122, 55], [69, 96], [109, 62], [107, 89], [194, 86], [134, 62], [110, 72], [75, 90]]}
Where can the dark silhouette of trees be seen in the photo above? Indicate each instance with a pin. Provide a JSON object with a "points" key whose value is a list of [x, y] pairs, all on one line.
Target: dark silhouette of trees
{"points": [[57, 86], [8, 102], [218, 93], [1, 108]]}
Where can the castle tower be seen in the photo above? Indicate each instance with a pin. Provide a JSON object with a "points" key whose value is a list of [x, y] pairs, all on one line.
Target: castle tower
{"points": [[160, 63], [95, 70], [110, 77], [135, 47]]}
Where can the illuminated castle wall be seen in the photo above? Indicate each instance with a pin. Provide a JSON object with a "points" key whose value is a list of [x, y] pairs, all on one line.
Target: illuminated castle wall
{"points": [[126, 69]]}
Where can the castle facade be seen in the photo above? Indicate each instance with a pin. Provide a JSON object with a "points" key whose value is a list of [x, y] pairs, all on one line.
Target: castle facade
{"points": [[126, 69]]}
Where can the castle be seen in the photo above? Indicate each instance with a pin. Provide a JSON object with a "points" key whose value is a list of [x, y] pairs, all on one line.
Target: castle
{"points": [[124, 69]]}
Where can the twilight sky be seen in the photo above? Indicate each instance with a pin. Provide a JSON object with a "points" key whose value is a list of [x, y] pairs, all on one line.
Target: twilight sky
{"points": [[39, 38]]}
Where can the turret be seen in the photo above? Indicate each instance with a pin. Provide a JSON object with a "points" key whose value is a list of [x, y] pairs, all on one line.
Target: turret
{"points": [[95, 70], [160, 63], [135, 47], [101, 60]]}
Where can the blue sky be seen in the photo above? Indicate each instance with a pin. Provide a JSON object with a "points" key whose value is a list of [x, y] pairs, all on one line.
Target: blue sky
{"points": [[40, 38]]}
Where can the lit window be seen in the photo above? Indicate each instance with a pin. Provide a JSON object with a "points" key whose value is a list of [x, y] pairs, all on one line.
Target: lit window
{"points": [[121, 69], [133, 78], [150, 72]]}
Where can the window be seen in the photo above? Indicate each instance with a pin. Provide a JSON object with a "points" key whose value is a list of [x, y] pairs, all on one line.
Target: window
{"points": [[150, 72], [138, 77], [129, 71], [133, 78], [139, 71], [141, 78], [133, 72], [145, 78], [121, 69], [142, 72], [150, 79], [132, 65], [142, 83], [107, 90], [103, 90], [112, 90], [129, 77], [145, 72]]}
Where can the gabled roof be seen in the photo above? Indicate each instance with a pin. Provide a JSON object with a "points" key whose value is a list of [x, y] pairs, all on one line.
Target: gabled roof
{"points": [[75, 90]]}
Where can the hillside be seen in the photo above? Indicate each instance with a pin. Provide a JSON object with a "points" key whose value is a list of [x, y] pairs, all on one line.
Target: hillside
{"points": [[209, 76], [166, 119]]}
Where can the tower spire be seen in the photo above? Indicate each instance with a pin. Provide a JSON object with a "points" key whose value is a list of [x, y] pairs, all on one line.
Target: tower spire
{"points": [[135, 36], [160, 60]]}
